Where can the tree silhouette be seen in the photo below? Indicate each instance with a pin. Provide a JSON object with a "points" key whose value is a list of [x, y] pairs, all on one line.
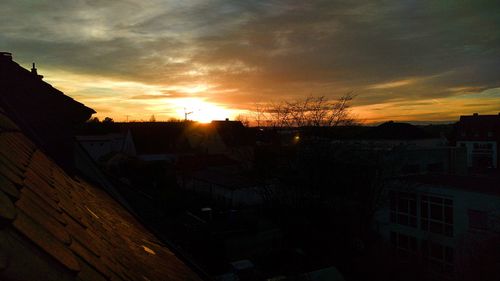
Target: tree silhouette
{"points": [[108, 120], [310, 111]]}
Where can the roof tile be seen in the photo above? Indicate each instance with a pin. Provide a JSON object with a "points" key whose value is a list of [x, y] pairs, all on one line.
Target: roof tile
{"points": [[79, 233], [46, 241], [65, 227], [40, 186], [42, 203], [89, 258], [80, 226], [8, 187], [7, 210], [45, 220], [41, 196], [9, 174], [8, 144], [16, 169], [89, 274]]}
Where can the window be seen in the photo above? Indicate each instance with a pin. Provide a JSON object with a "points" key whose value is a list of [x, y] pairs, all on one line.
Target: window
{"points": [[438, 258], [403, 208], [436, 215], [478, 219], [405, 246]]}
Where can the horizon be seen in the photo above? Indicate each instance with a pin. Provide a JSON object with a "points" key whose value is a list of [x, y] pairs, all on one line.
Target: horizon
{"points": [[423, 62]]}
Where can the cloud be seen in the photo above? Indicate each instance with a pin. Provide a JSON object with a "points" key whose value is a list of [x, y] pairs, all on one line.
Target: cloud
{"points": [[393, 84], [148, 97], [249, 51]]}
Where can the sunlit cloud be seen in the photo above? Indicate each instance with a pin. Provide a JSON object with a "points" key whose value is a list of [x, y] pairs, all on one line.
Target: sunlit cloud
{"points": [[448, 109], [393, 84]]}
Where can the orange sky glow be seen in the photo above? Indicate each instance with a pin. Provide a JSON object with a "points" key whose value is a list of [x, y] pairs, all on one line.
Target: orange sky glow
{"points": [[404, 60]]}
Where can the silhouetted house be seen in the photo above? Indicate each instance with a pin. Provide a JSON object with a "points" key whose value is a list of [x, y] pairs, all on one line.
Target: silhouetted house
{"points": [[219, 178], [480, 135], [440, 224], [229, 189], [159, 141], [98, 146], [105, 139], [239, 141], [54, 226], [49, 117], [233, 133]]}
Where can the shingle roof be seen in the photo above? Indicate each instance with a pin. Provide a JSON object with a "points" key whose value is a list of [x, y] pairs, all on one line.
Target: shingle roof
{"points": [[55, 227], [158, 137], [48, 117]]}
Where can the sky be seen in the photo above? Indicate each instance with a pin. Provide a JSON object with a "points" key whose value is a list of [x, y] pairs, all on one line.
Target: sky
{"points": [[404, 60]]}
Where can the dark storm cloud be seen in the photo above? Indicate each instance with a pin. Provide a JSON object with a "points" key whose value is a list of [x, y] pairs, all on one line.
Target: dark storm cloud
{"points": [[383, 50]]}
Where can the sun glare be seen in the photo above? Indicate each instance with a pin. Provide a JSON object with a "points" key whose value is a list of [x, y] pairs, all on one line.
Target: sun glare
{"points": [[202, 111]]}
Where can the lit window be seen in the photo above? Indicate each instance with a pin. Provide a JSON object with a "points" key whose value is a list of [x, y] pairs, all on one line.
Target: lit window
{"points": [[437, 215], [403, 208]]}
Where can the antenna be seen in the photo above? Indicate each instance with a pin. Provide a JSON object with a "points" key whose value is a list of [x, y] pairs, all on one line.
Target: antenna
{"points": [[186, 114]]}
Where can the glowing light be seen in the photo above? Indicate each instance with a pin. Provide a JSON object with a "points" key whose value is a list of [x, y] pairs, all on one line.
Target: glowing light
{"points": [[200, 110]]}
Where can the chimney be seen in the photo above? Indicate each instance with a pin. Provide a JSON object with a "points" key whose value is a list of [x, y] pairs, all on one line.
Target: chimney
{"points": [[35, 72], [227, 119], [475, 114]]}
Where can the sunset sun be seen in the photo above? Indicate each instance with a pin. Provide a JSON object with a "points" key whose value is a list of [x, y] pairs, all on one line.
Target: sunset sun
{"points": [[197, 109]]}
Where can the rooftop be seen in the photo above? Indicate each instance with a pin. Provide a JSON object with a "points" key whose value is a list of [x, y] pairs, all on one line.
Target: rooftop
{"points": [[56, 226], [44, 114], [478, 127], [67, 227]]}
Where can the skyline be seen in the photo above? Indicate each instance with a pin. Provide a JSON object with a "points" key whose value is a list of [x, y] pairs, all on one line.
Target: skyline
{"points": [[404, 60]]}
